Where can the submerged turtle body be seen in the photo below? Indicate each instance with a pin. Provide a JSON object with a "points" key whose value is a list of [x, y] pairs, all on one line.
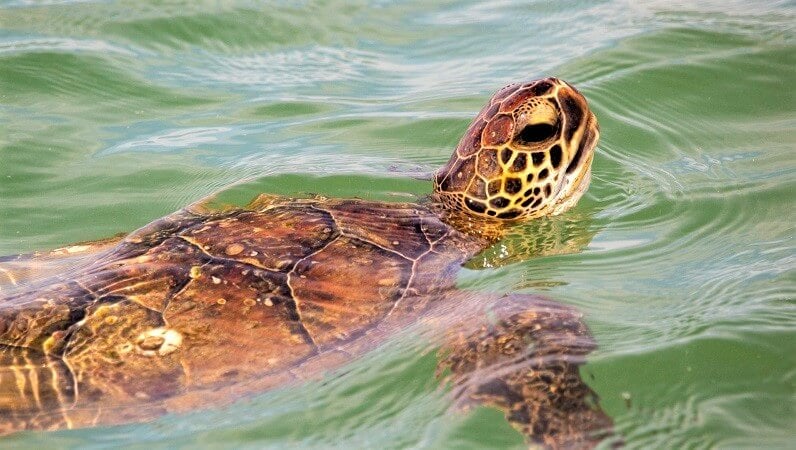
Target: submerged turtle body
{"points": [[196, 301], [201, 307]]}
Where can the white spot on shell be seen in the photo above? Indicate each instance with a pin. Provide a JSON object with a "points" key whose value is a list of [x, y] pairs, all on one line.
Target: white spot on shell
{"points": [[269, 302], [216, 280], [158, 342]]}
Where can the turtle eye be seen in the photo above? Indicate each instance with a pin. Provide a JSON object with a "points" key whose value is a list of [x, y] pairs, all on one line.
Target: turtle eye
{"points": [[535, 133]]}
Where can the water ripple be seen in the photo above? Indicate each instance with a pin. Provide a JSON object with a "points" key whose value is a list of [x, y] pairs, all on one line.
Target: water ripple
{"points": [[680, 256], [18, 44], [282, 69], [172, 140]]}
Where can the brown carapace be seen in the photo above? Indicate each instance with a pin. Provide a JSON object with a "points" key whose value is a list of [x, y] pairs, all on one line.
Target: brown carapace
{"points": [[205, 306], [527, 154]]}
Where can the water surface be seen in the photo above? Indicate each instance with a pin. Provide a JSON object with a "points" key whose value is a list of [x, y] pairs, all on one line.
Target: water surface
{"points": [[115, 113]]}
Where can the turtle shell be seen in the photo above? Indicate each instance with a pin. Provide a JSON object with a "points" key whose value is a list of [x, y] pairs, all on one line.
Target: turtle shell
{"points": [[199, 301]]}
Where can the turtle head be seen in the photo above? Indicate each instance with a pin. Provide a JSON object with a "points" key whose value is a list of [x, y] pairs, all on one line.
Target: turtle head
{"points": [[527, 154]]}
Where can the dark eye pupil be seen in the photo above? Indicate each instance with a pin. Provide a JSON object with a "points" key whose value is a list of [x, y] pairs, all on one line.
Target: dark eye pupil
{"points": [[536, 133]]}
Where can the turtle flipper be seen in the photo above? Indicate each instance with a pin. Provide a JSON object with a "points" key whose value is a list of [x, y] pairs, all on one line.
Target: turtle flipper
{"points": [[524, 360]]}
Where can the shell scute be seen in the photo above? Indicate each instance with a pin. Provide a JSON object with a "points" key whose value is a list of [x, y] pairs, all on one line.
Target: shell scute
{"points": [[265, 239], [103, 356], [214, 330], [26, 322], [397, 231], [338, 297]]}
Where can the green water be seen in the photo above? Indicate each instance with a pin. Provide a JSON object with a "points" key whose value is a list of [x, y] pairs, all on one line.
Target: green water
{"points": [[114, 114]]}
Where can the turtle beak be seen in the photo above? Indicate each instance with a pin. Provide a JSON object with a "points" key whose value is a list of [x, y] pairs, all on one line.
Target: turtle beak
{"points": [[577, 187]]}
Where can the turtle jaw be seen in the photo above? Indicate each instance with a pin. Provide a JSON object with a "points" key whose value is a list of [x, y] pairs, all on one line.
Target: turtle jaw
{"points": [[577, 176], [578, 186]]}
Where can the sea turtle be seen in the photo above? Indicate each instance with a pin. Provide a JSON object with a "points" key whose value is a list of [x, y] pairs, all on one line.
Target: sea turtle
{"points": [[204, 305]]}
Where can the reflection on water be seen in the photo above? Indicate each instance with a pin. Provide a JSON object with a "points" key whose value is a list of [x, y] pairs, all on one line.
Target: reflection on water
{"points": [[112, 115]]}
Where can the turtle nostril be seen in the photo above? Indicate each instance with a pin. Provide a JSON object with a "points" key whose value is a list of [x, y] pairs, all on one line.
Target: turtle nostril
{"points": [[537, 132]]}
